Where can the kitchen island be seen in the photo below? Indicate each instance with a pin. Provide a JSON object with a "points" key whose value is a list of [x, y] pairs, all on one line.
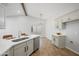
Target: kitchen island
{"points": [[20, 48]]}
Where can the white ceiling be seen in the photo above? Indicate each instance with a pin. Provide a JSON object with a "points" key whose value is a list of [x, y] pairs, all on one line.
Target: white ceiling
{"points": [[50, 10], [14, 9], [43, 10]]}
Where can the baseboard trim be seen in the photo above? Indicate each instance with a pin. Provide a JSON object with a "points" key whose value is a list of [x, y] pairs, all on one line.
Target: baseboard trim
{"points": [[72, 50]]}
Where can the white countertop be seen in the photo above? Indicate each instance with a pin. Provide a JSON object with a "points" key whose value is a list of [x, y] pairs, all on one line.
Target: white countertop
{"points": [[7, 44]]}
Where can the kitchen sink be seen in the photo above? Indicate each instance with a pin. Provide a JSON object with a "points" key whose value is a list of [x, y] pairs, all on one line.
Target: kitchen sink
{"points": [[20, 39]]}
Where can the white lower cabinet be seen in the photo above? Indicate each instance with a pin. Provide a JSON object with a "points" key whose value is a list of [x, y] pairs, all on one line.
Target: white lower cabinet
{"points": [[20, 49], [23, 49], [29, 47], [59, 41]]}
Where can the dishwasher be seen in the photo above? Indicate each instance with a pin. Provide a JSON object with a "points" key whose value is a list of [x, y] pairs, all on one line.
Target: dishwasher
{"points": [[36, 43]]}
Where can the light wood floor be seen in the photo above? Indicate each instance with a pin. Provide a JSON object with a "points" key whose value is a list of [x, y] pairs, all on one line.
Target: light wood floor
{"points": [[48, 49]]}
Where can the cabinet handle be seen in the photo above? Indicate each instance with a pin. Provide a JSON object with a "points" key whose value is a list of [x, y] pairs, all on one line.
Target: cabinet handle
{"points": [[24, 49], [27, 47]]}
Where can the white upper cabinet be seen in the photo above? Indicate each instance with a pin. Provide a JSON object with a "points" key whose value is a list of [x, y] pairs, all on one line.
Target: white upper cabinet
{"points": [[2, 17], [1, 11], [71, 16], [14, 9]]}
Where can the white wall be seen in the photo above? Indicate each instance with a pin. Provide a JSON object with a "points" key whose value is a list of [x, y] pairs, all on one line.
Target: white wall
{"points": [[14, 25], [19, 24], [72, 34]]}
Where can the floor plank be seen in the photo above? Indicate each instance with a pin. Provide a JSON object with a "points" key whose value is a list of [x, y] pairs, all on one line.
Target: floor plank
{"points": [[48, 49]]}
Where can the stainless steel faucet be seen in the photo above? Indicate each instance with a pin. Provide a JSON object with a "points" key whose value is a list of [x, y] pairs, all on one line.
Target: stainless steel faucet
{"points": [[19, 34]]}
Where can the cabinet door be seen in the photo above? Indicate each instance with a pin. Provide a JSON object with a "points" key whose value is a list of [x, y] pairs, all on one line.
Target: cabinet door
{"points": [[56, 41], [20, 49], [61, 42], [29, 47]]}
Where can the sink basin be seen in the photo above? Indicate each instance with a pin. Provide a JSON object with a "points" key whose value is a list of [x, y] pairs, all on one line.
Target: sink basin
{"points": [[20, 39]]}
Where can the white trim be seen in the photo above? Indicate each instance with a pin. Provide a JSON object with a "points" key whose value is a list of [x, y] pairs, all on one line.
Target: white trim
{"points": [[72, 50]]}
